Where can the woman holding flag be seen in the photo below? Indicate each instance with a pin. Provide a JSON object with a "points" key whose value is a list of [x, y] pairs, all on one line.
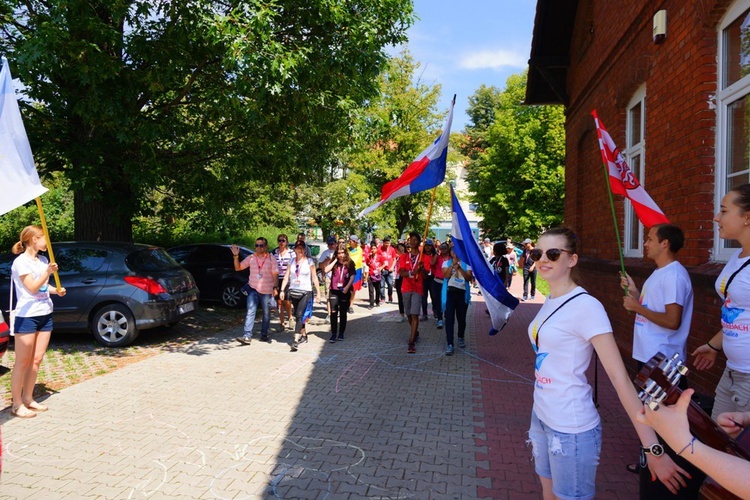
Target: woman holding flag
{"points": [[33, 318], [565, 431]]}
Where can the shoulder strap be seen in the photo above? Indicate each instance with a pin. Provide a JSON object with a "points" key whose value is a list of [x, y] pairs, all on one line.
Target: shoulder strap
{"points": [[538, 330], [729, 281]]}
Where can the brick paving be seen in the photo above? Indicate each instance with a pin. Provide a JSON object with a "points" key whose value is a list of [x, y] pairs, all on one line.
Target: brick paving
{"points": [[355, 419]]}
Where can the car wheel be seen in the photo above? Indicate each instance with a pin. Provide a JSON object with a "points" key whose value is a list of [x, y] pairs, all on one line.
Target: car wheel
{"points": [[114, 326], [231, 295]]}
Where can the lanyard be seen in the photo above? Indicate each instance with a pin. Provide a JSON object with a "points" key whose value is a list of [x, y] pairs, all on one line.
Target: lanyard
{"points": [[263, 263]]}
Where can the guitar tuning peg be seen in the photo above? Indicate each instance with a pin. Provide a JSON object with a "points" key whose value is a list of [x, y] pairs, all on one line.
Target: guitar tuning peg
{"points": [[654, 405], [683, 370]]}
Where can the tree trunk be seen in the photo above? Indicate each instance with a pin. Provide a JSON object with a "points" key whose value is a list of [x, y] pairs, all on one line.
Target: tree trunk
{"points": [[100, 219]]}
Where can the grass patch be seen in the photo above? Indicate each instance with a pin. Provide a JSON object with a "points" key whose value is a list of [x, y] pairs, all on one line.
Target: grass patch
{"points": [[542, 286]]}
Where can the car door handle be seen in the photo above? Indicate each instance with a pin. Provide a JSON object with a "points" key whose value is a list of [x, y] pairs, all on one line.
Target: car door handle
{"points": [[88, 281]]}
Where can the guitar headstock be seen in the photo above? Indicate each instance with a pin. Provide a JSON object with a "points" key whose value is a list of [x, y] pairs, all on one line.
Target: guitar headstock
{"points": [[658, 380]]}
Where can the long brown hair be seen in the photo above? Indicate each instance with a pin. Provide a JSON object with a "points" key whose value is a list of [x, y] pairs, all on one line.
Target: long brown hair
{"points": [[27, 234]]}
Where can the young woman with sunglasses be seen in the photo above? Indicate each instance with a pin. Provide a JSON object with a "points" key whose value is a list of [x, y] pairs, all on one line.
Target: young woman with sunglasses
{"points": [[565, 431], [301, 276], [284, 255], [342, 280]]}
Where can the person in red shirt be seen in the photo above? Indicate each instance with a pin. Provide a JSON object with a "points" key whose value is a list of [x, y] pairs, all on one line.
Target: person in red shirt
{"points": [[374, 263], [412, 271], [389, 256]]}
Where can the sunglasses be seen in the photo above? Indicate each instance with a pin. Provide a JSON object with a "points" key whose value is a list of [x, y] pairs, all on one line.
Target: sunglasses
{"points": [[281, 241], [260, 245], [552, 254]]}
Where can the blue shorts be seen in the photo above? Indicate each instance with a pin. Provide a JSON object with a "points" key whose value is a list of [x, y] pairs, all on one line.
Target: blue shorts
{"points": [[33, 324], [570, 460]]}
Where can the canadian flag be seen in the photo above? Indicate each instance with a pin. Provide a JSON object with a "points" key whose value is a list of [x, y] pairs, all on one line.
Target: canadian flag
{"points": [[622, 181]]}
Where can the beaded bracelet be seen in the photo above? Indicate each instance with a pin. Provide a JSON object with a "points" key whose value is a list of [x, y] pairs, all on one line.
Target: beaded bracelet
{"points": [[689, 445]]}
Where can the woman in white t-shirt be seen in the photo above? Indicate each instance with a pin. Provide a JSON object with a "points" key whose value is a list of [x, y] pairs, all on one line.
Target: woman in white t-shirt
{"points": [[33, 318], [733, 286], [565, 430], [456, 295], [300, 276]]}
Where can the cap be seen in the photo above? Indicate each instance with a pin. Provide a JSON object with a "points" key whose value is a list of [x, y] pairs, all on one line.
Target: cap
{"points": [[486, 240], [509, 245], [444, 246], [331, 240], [527, 240], [354, 238], [300, 243], [429, 241]]}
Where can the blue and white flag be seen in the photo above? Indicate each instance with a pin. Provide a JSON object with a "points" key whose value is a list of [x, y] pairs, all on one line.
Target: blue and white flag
{"points": [[499, 302], [19, 180]]}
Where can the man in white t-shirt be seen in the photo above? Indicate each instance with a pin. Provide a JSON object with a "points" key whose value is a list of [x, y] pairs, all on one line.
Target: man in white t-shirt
{"points": [[325, 258], [663, 310]]}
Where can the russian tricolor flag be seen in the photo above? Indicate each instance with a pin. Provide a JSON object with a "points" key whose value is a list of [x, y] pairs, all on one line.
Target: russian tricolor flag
{"points": [[499, 302], [424, 173]]}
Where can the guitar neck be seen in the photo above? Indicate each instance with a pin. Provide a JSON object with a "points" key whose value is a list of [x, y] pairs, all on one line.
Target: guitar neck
{"points": [[708, 431]]}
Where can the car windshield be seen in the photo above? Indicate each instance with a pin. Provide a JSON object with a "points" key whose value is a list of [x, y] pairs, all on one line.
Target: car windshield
{"points": [[150, 260]]}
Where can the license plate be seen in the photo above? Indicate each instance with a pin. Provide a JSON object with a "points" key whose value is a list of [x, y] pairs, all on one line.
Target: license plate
{"points": [[186, 307]]}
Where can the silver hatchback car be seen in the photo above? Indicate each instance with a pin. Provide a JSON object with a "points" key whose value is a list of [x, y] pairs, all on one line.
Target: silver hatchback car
{"points": [[114, 290]]}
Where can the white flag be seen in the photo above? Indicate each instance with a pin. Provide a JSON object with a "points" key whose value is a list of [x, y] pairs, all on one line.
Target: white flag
{"points": [[19, 180]]}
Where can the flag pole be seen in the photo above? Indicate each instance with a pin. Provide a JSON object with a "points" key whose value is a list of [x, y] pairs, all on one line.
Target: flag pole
{"points": [[49, 242], [427, 223], [614, 221]]}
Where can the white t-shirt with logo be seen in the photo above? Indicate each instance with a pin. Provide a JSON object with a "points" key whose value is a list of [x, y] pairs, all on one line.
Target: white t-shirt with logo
{"points": [[299, 274], [735, 313], [30, 304], [667, 285], [562, 394]]}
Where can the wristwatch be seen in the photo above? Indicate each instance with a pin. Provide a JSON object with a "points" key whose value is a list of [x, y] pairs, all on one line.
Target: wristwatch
{"points": [[655, 449]]}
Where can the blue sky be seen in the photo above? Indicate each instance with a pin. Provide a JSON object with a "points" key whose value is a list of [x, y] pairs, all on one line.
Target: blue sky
{"points": [[462, 44]]}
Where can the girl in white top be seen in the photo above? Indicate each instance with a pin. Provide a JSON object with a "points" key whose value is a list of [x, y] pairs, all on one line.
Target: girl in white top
{"points": [[301, 275], [733, 390], [565, 428], [33, 318]]}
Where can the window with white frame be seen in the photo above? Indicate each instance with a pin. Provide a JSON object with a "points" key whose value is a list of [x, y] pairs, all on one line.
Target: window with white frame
{"points": [[635, 155], [732, 110]]}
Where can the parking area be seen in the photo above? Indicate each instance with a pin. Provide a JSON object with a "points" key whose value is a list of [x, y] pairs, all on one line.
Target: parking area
{"points": [[75, 357]]}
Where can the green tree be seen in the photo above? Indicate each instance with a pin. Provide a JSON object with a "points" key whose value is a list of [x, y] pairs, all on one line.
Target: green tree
{"points": [[391, 131], [191, 98], [518, 181]]}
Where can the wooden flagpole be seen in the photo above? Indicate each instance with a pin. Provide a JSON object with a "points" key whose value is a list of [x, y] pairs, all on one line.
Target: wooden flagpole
{"points": [[427, 224], [49, 242]]}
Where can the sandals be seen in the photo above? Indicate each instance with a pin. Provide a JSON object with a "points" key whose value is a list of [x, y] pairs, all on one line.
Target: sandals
{"points": [[22, 412], [37, 407]]}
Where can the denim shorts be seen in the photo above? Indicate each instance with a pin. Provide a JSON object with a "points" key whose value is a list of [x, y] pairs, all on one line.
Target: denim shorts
{"points": [[570, 460], [32, 324]]}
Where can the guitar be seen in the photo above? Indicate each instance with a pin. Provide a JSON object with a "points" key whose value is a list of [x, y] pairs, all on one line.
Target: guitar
{"points": [[657, 381]]}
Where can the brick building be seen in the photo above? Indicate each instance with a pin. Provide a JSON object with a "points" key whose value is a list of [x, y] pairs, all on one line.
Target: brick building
{"points": [[677, 110]]}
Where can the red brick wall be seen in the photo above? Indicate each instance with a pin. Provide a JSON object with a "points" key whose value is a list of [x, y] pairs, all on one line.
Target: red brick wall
{"points": [[613, 55]]}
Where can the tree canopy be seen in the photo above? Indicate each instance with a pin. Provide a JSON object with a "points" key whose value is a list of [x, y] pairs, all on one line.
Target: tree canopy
{"points": [[146, 103], [517, 171]]}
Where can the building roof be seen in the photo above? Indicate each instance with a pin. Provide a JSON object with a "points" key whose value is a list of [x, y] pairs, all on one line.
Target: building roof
{"points": [[550, 52]]}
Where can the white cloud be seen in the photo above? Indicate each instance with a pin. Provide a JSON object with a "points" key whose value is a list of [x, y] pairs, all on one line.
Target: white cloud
{"points": [[494, 59]]}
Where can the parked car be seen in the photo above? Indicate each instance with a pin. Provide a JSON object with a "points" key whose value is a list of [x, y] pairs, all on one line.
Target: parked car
{"points": [[212, 266], [115, 290]]}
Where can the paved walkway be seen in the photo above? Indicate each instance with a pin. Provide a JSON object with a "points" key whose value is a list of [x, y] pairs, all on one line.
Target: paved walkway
{"points": [[354, 419]]}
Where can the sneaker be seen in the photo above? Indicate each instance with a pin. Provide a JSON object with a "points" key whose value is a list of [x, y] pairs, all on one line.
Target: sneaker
{"points": [[293, 346], [341, 337], [449, 350], [440, 324], [351, 310], [402, 319], [244, 340], [332, 339], [532, 297], [264, 338], [302, 339], [461, 343], [370, 306], [412, 348], [525, 298], [423, 318]]}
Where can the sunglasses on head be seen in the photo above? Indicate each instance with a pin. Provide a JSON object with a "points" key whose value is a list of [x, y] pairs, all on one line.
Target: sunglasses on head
{"points": [[552, 254]]}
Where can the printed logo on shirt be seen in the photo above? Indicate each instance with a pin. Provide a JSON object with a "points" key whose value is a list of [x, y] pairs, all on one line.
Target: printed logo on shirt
{"points": [[728, 316], [540, 381], [639, 319]]}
